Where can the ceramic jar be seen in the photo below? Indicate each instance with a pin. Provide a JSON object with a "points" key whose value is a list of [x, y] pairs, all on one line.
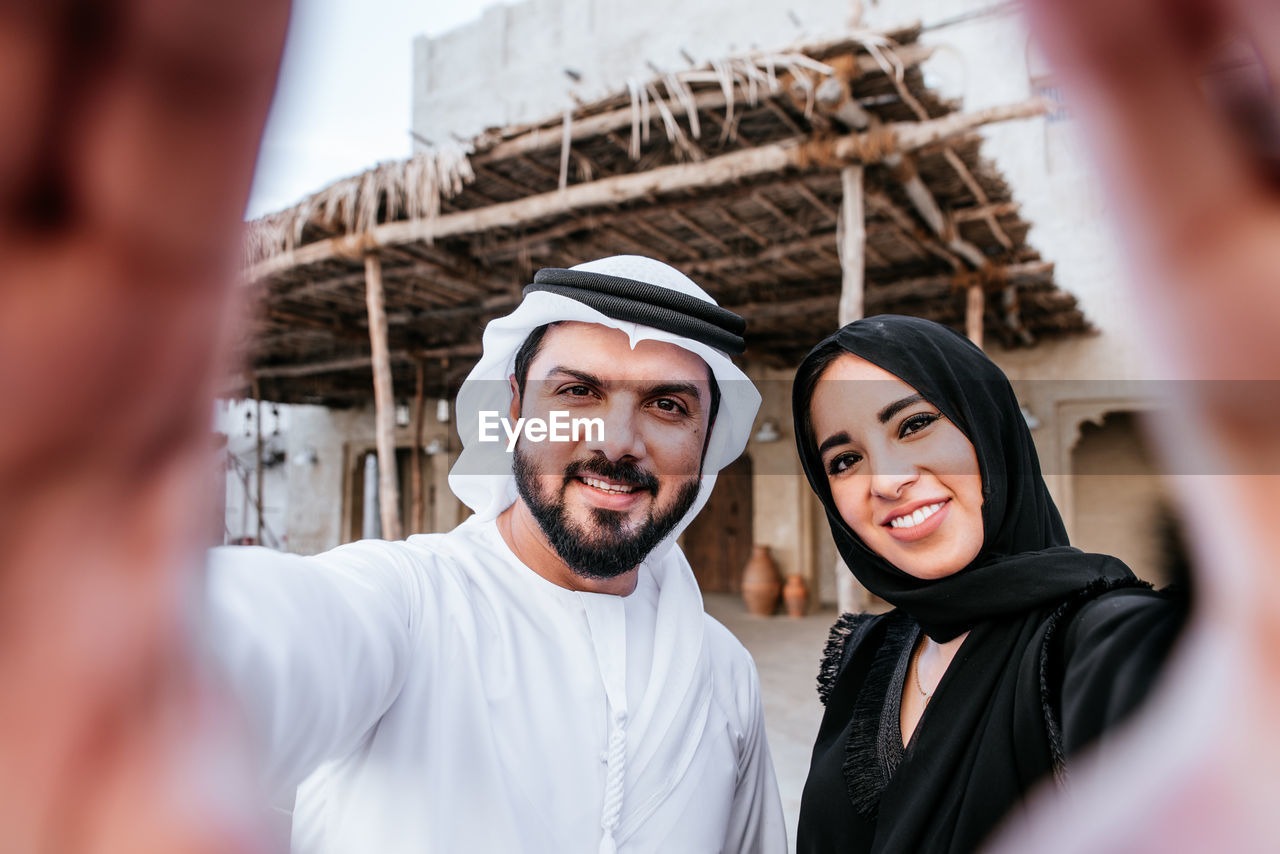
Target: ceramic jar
{"points": [[761, 582]]}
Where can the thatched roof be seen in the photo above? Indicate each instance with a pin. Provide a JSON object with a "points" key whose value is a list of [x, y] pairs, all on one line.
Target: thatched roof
{"points": [[731, 172]]}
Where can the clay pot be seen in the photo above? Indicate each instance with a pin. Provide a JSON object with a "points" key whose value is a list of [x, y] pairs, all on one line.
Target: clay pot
{"points": [[761, 582], [795, 593]]}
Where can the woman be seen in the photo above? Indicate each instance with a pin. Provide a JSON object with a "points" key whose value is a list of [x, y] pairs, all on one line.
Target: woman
{"points": [[1007, 649]]}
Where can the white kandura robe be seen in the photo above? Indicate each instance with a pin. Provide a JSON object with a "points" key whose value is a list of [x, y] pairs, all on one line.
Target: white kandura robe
{"points": [[455, 701]]}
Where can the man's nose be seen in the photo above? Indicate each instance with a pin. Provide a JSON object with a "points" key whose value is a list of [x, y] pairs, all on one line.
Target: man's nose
{"points": [[622, 436]]}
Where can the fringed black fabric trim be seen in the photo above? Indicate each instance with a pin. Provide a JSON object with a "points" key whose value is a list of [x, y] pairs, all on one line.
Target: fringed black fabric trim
{"points": [[866, 769], [1051, 669], [833, 654]]}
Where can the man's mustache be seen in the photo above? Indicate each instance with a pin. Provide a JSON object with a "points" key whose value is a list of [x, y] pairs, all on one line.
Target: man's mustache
{"points": [[622, 472]]}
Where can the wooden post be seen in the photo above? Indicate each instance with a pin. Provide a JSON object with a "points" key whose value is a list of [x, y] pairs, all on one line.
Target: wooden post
{"points": [[257, 497], [383, 400], [852, 245], [416, 473], [975, 305], [853, 236]]}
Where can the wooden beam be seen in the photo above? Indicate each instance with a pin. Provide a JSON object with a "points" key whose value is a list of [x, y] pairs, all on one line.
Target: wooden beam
{"points": [[756, 237], [383, 400], [698, 230], [779, 213], [682, 249], [354, 363], [728, 168], [979, 195], [771, 253], [852, 236], [984, 211], [546, 138], [910, 231], [548, 134], [903, 169], [811, 197], [629, 217]]}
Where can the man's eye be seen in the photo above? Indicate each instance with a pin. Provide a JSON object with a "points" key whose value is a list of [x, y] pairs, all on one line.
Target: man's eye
{"points": [[843, 462], [667, 404], [916, 423], [576, 390]]}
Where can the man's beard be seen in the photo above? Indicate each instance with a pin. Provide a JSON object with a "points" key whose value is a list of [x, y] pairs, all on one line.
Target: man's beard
{"points": [[607, 550]]}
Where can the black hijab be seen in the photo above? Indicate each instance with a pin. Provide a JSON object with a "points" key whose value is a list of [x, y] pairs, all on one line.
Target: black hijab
{"points": [[991, 729], [1025, 560]]}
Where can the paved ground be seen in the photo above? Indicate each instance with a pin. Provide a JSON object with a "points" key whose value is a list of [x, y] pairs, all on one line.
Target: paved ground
{"points": [[786, 651]]}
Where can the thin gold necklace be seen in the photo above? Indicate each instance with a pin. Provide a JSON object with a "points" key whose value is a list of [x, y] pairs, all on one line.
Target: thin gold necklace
{"points": [[928, 695]]}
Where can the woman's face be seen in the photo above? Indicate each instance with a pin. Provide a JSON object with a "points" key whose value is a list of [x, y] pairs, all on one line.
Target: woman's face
{"points": [[903, 477]]}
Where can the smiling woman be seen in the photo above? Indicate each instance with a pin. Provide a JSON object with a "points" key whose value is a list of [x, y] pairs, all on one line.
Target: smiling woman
{"points": [[1007, 650]]}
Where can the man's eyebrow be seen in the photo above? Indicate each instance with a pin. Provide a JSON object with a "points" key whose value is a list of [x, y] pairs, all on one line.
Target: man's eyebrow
{"points": [[689, 389], [897, 406], [589, 379], [832, 441], [684, 388]]}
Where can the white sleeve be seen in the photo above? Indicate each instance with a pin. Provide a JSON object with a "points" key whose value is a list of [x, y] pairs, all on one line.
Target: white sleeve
{"points": [[756, 823], [315, 648]]}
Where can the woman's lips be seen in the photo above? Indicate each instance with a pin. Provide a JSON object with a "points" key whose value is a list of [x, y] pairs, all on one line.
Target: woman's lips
{"points": [[934, 514]]}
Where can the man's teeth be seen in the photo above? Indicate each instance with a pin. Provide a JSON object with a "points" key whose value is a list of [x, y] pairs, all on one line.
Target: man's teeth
{"points": [[608, 487], [912, 519]]}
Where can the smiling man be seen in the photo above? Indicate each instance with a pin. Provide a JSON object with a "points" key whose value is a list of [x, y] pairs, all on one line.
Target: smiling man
{"points": [[542, 678]]}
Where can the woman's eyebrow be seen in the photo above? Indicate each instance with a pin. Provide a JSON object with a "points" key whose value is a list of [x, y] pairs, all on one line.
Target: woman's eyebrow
{"points": [[833, 441], [897, 406]]}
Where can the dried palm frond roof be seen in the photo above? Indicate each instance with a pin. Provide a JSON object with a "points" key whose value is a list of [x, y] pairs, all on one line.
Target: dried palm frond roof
{"points": [[731, 172]]}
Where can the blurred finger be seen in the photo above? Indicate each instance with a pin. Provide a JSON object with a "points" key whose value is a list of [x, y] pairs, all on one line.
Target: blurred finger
{"points": [[30, 50], [169, 135], [1132, 69]]}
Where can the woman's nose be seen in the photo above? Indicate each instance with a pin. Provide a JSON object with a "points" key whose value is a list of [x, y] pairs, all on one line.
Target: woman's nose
{"points": [[891, 476]]}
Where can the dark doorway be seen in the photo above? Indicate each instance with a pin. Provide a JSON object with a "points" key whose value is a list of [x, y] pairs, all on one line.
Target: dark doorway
{"points": [[718, 542]]}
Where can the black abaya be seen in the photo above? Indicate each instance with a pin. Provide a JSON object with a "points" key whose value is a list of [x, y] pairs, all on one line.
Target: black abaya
{"points": [[1061, 644]]}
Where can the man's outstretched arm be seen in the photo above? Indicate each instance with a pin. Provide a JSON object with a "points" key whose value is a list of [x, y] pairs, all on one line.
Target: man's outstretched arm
{"points": [[314, 649]]}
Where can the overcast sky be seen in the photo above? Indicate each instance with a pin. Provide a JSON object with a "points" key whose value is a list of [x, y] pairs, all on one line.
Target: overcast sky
{"points": [[344, 98]]}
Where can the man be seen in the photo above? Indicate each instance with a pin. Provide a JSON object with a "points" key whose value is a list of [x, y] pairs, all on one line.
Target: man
{"points": [[543, 678]]}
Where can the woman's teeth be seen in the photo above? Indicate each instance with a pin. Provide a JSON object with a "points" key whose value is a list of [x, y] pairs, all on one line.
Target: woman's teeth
{"points": [[912, 519], [608, 487]]}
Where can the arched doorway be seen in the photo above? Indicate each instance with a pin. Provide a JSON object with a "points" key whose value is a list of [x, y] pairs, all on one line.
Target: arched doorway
{"points": [[1120, 500], [718, 542]]}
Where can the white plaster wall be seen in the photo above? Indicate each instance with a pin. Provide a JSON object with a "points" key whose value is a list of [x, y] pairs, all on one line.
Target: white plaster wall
{"points": [[236, 420], [509, 66], [319, 492]]}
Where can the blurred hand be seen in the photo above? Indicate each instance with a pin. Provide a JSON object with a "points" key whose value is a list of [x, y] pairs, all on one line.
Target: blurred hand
{"points": [[127, 146], [1180, 102]]}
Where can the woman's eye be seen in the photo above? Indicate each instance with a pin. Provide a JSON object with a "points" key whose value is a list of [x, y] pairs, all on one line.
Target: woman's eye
{"points": [[842, 462], [916, 423]]}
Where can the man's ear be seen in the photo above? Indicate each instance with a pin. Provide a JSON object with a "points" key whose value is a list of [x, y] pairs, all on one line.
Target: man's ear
{"points": [[513, 415]]}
